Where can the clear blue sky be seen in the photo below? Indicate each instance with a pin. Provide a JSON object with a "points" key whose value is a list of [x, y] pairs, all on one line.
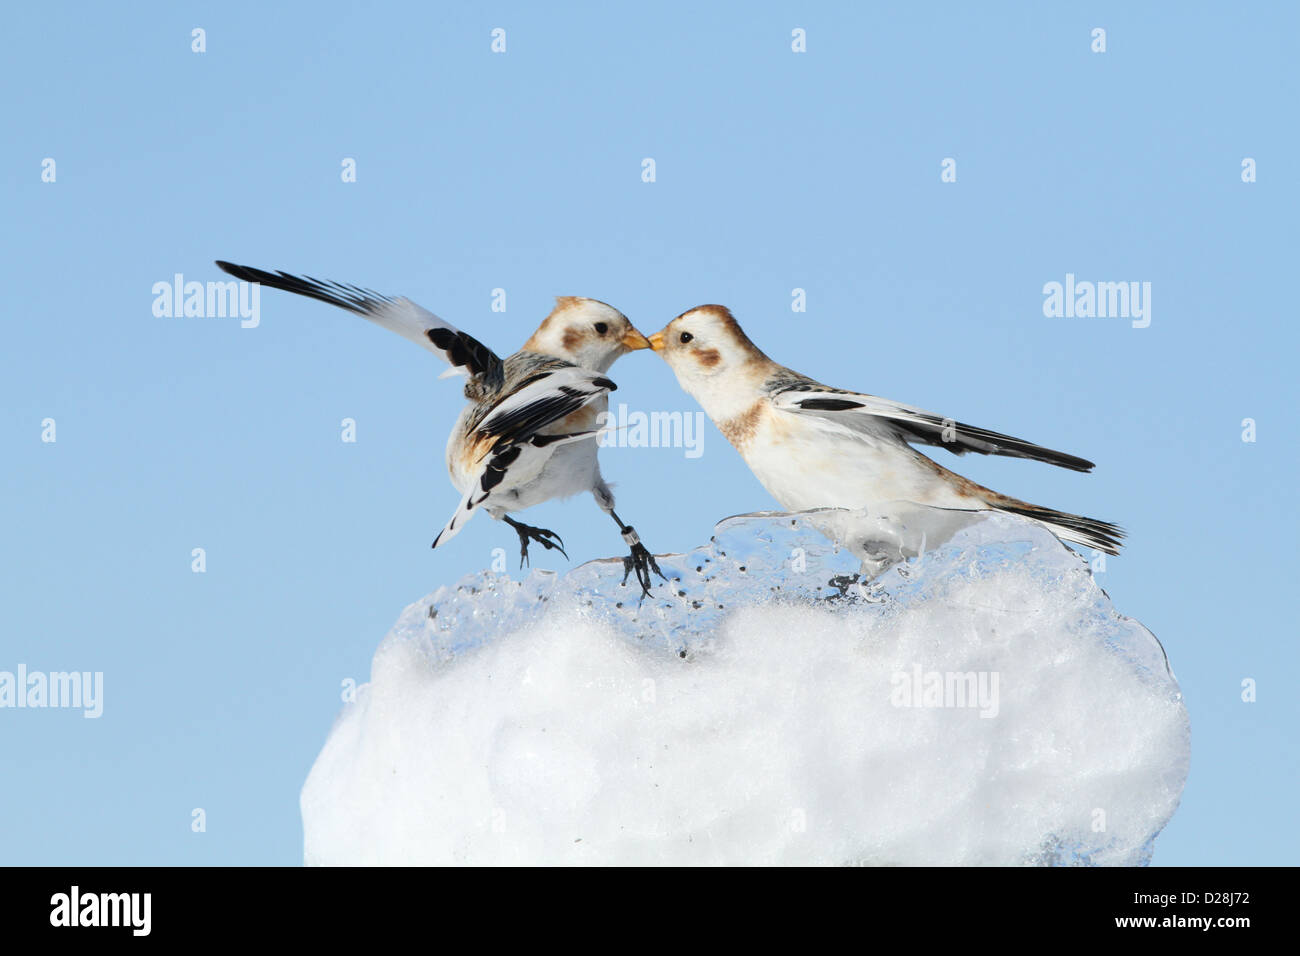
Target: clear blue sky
{"points": [[522, 171]]}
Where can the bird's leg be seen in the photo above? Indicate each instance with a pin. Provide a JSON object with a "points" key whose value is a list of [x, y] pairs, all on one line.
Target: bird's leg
{"points": [[528, 533], [640, 560]]}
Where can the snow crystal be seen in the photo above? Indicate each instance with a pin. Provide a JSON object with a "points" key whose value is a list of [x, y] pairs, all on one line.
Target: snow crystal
{"points": [[982, 703]]}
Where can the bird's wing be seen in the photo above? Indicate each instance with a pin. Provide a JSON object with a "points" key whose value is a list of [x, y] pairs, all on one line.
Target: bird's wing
{"points": [[400, 315], [547, 395], [855, 410], [507, 445]]}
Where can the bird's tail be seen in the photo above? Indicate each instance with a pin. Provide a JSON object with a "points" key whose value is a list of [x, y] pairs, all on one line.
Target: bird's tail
{"points": [[1101, 535], [463, 513]]}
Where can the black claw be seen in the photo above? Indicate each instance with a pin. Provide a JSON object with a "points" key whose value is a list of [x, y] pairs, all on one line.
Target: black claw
{"points": [[642, 562], [542, 536]]}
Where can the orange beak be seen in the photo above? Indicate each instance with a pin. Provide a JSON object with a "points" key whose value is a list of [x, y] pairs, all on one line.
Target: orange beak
{"points": [[656, 341], [634, 340]]}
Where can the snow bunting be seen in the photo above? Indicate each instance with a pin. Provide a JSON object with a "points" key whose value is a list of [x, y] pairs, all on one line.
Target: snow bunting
{"points": [[812, 446], [528, 433]]}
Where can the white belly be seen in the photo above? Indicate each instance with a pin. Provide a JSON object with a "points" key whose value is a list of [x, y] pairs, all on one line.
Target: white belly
{"points": [[569, 469], [803, 466]]}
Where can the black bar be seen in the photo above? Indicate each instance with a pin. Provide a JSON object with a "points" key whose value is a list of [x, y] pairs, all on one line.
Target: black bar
{"points": [[918, 905]]}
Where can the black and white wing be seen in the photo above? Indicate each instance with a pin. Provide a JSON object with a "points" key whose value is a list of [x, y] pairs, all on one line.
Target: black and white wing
{"points": [[508, 448], [871, 413], [400, 315]]}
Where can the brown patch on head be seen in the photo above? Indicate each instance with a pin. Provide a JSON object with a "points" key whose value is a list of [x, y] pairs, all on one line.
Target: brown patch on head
{"points": [[571, 339], [721, 311], [563, 303], [722, 315], [740, 429], [708, 357]]}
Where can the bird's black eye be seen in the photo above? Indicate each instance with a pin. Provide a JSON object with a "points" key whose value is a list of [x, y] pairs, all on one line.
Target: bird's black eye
{"points": [[601, 328], [685, 337]]}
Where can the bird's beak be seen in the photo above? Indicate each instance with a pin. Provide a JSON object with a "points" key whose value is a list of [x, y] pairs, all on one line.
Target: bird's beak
{"points": [[656, 341], [634, 340]]}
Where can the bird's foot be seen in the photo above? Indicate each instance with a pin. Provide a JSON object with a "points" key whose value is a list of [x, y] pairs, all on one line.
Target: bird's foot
{"points": [[857, 587], [547, 539], [842, 583], [640, 560], [846, 585]]}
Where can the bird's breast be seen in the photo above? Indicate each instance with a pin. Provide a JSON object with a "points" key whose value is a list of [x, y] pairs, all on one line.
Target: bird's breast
{"points": [[741, 430]]}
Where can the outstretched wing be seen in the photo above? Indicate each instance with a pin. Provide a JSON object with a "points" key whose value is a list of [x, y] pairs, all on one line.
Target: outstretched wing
{"points": [[511, 445], [869, 412], [399, 315]]}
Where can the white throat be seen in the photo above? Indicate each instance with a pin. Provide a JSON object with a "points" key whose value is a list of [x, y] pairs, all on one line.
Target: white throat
{"points": [[722, 396]]}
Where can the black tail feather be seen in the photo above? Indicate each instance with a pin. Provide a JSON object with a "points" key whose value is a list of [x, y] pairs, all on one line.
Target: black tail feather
{"points": [[1101, 535]]}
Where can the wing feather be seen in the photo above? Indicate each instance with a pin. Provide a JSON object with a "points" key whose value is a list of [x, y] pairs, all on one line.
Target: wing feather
{"points": [[914, 424], [400, 315], [543, 399]]}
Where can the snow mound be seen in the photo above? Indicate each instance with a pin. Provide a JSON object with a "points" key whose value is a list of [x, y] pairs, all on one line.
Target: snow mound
{"points": [[981, 704]]}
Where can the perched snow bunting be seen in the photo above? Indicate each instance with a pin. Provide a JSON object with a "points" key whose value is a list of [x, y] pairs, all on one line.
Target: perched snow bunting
{"points": [[528, 432], [815, 447]]}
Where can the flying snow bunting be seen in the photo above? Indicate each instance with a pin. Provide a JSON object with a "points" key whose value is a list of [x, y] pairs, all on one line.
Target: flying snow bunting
{"points": [[528, 433], [812, 446]]}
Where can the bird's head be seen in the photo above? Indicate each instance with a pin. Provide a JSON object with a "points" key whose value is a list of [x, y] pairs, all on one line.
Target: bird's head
{"points": [[705, 344], [586, 332]]}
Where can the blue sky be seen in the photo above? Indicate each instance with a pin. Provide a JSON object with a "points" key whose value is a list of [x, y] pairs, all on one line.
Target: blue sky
{"points": [[522, 171]]}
